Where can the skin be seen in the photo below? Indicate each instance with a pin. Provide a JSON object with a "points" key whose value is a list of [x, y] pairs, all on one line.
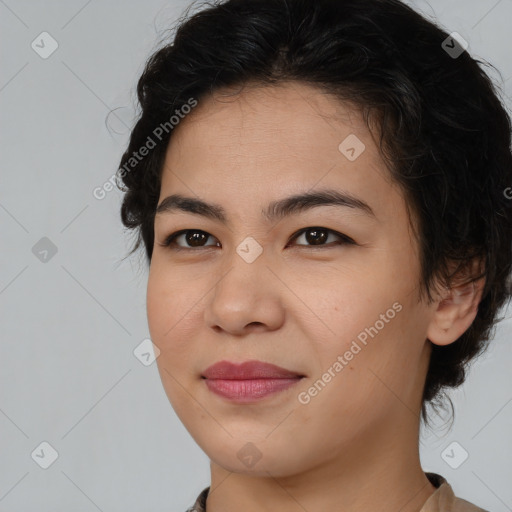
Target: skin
{"points": [[354, 445]]}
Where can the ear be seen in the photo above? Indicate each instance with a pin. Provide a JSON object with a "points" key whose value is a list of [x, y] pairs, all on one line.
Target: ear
{"points": [[455, 310]]}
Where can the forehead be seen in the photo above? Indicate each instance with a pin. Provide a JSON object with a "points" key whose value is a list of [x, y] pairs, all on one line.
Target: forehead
{"points": [[289, 116], [264, 142]]}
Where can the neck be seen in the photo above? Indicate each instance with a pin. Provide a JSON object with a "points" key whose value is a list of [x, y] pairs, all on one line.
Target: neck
{"points": [[376, 472]]}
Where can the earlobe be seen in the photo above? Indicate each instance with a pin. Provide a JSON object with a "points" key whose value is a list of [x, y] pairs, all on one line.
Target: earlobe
{"points": [[455, 311]]}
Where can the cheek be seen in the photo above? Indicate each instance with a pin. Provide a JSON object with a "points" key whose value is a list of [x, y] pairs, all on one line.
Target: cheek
{"points": [[364, 317], [158, 306], [344, 304], [170, 318], [170, 310]]}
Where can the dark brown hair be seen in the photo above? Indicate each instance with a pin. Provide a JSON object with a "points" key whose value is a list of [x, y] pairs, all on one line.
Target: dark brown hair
{"points": [[442, 126]]}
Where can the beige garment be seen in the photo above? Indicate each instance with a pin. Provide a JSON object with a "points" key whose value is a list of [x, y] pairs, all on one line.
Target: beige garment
{"points": [[442, 500]]}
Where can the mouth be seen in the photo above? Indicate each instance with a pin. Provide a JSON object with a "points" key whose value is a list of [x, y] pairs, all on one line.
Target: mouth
{"points": [[248, 370], [246, 391], [250, 381]]}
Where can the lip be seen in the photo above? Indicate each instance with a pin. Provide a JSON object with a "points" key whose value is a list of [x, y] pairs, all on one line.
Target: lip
{"points": [[248, 382], [248, 370]]}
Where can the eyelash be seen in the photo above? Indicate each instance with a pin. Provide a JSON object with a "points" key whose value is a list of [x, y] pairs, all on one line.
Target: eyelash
{"points": [[170, 241]]}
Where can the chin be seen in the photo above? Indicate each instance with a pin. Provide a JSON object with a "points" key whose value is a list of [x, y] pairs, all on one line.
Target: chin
{"points": [[253, 458]]}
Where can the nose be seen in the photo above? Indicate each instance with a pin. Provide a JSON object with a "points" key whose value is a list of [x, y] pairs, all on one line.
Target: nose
{"points": [[246, 298]]}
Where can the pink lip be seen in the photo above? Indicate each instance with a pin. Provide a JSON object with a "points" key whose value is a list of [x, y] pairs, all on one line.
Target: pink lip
{"points": [[248, 370], [249, 381]]}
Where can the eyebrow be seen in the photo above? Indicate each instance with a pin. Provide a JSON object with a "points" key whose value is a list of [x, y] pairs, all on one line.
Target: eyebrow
{"points": [[277, 210]]}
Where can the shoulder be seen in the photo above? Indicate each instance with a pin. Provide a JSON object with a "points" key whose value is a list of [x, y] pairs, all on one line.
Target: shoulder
{"points": [[444, 499]]}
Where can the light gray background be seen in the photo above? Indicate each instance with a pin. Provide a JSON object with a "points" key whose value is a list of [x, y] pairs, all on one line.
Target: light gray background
{"points": [[68, 375]]}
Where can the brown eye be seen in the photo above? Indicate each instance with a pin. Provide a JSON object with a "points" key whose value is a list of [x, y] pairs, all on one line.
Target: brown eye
{"points": [[192, 238], [317, 236]]}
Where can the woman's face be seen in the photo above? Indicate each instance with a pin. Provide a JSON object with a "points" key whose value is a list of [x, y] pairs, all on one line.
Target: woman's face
{"points": [[346, 316]]}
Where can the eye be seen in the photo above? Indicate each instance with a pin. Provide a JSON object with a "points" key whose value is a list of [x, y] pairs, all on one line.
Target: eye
{"points": [[315, 236], [194, 237]]}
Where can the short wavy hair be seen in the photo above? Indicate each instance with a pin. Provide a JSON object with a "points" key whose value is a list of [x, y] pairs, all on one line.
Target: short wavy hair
{"points": [[443, 130]]}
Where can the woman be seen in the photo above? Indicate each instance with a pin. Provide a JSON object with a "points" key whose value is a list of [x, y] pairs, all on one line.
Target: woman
{"points": [[320, 191]]}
